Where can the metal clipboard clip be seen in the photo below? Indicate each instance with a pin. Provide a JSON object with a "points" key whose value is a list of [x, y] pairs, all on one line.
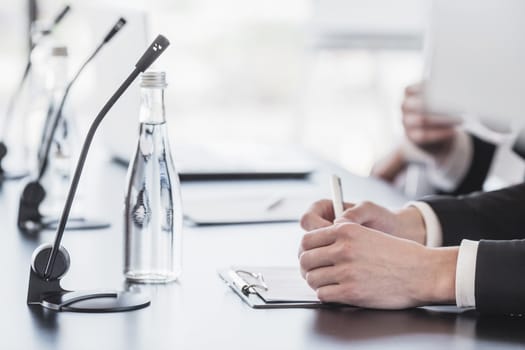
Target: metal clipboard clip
{"points": [[248, 287]]}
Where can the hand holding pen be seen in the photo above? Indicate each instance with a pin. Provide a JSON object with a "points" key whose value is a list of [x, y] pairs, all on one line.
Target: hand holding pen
{"points": [[405, 223], [324, 212]]}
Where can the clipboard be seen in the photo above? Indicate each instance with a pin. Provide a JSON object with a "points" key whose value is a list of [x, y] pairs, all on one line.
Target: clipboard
{"points": [[271, 287]]}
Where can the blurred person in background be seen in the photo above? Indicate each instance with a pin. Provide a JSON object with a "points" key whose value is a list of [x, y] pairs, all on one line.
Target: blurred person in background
{"points": [[454, 161]]}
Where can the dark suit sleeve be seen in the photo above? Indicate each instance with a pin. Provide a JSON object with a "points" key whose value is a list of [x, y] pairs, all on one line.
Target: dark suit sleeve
{"points": [[496, 215], [500, 277], [497, 219], [483, 154]]}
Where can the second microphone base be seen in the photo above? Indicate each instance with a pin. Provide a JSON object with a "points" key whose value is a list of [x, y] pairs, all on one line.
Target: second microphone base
{"points": [[30, 226], [78, 223]]}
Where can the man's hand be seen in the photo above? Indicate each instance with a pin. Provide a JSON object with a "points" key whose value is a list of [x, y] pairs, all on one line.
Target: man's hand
{"points": [[348, 263], [406, 223], [433, 134]]}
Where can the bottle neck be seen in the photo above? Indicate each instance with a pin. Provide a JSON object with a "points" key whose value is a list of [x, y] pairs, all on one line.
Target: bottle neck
{"points": [[57, 79], [40, 29], [152, 106]]}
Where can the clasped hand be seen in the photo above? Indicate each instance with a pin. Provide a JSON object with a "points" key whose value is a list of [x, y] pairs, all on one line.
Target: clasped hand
{"points": [[371, 257]]}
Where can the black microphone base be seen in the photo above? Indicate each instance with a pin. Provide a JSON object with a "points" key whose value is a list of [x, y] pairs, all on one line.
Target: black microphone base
{"points": [[45, 290], [30, 220], [50, 295]]}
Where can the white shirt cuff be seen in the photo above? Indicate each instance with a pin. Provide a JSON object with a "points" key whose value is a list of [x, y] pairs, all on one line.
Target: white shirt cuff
{"points": [[434, 234], [466, 274], [467, 255]]}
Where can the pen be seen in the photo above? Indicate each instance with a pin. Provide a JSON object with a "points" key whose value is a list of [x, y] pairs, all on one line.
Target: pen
{"points": [[337, 196], [274, 203]]}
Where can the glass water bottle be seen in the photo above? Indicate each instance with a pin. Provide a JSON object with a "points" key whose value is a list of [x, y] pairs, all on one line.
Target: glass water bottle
{"points": [[153, 211], [48, 70], [30, 99], [64, 146]]}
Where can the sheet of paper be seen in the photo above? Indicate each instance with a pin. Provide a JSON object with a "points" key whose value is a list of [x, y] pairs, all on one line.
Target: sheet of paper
{"points": [[245, 209]]}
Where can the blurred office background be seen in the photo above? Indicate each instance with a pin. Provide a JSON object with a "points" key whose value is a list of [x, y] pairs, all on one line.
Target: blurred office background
{"points": [[327, 75]]}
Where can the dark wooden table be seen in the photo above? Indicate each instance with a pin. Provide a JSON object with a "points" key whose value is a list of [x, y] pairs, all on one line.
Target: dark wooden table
{"points": [[200, 311]]}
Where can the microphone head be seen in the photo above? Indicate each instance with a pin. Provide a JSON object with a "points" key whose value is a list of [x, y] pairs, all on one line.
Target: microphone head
{"points": [[61, 15], [153, 52], [116, 28]]}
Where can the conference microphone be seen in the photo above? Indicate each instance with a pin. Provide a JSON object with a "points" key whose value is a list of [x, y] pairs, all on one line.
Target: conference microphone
{"points": [[45, 147], [14, 98], [51, 262], [29, 217]]}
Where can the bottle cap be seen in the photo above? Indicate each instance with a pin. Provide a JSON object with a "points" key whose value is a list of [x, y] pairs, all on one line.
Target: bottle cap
{"points": [[59, 51], [153, 79]]}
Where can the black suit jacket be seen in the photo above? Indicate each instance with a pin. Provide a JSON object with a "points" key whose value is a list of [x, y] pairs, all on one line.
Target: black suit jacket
{"points": [[497, 219], [483, 154]]}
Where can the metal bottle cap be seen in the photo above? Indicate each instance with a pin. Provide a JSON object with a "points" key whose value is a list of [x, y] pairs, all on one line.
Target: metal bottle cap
{"points": [[153, 79], [59, 51]]}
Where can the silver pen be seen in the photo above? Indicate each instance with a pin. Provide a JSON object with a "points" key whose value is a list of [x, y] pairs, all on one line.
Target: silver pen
{"points": [[337, 196]]}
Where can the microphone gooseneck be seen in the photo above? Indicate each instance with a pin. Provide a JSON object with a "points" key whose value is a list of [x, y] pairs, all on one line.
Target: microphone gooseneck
{"points": [[29, 218], [158, 46], [45, 148]]}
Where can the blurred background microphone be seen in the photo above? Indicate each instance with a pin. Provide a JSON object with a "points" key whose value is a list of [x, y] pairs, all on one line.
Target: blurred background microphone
{"points": [[35, 39], [30, 218]]}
